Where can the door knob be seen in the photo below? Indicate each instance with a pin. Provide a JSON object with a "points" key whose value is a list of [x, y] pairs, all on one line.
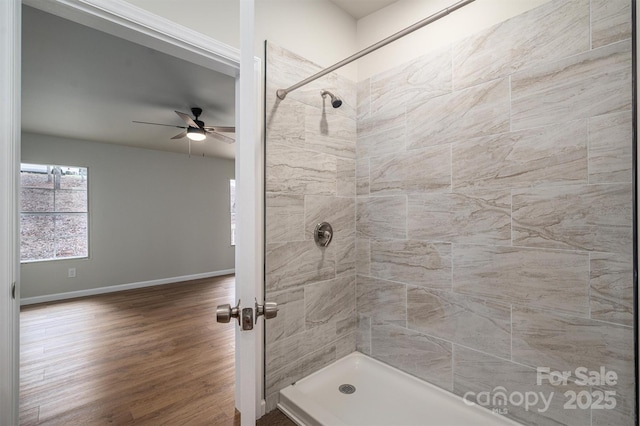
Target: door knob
{"points": [[269, 310], [225, 312]]}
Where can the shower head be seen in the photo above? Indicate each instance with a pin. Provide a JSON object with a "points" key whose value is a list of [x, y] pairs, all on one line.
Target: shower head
{"points": [[335, 101]]}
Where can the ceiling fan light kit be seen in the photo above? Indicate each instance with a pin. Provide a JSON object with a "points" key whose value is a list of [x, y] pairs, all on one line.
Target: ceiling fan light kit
{"points": [[195, 129]]}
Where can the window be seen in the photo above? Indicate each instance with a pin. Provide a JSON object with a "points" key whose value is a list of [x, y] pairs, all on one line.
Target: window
{"points": [[232, 197], [53, 212]]}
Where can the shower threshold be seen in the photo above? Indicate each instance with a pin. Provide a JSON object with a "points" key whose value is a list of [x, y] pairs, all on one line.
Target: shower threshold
{"points": [[359, 390]]}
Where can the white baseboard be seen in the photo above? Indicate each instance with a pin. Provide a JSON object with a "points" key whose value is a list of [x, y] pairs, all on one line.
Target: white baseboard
{"points": [[120, 287]]}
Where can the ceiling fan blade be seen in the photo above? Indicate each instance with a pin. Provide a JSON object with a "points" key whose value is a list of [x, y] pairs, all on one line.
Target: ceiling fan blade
{"points": [[223, 138], [187, 119], [158, 124], [221, 129], [180, 135]]}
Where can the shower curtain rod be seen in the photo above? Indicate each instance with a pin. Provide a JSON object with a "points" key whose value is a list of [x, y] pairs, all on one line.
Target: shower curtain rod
{"points": [[282, 93]]}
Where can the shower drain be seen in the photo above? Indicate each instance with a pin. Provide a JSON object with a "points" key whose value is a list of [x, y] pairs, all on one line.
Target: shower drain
{"points": [[348, 389]]}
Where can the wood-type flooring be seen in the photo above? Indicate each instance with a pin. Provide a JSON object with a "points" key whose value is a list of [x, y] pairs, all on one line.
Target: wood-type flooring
{"points": [[151, 356]]}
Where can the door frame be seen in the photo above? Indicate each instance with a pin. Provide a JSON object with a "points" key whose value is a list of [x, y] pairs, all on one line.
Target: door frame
{"points": [[124, 20]]}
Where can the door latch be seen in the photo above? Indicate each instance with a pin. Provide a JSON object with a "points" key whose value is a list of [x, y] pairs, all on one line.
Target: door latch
{"points": [[245, 317]]}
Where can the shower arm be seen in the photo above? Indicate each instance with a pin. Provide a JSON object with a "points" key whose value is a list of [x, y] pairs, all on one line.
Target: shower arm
{"points": [[282, 93]]}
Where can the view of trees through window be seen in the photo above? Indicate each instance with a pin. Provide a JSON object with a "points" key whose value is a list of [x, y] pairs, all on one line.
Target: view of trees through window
{"points": [[53, 212]]}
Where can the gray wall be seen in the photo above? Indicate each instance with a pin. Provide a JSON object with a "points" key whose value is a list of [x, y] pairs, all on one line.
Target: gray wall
{"points": [[152, 216], [494, 202], [310, 178]]}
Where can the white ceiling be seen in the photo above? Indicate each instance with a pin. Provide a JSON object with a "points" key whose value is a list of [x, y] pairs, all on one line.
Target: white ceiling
{"points": [[361, 8], [85, 84]]}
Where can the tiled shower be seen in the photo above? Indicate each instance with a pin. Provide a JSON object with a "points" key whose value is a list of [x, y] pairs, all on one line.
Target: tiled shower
{"points": [[481, 201]]}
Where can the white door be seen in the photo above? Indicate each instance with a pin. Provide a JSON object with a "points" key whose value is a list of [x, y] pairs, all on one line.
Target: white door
{"points": [[122, 19]]}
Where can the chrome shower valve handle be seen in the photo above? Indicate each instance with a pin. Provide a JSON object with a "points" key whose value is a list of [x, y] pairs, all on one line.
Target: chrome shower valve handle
{"points": [[323, 234]]}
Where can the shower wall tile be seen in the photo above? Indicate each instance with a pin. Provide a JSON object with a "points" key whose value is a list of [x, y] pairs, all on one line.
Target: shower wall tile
{"points": [[363, 338], [381, 300], [549, 279], [565, 343], [422, 356], [476, 372], [541, 156], [624, 411], [389, 141], [363, 256], [330, 301], [346, 345], [381, 122], [594, 83], [610, 148], [424, 170], [346, 176], [284, 217], [337, 211], [578, 217], [290, 319], [381, 217], [362, 176], [286, 124], [610, 21], [412, 262], [555, 30], [363, 104], [476, 111], [426, 77], [346, 252], [297, 263], [476, 323], [477, 218], [300, 171], [329, 132], [611, 284]]}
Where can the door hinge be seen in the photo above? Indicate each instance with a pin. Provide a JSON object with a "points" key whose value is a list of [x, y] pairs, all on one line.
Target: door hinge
{"points": [[13, 291]]}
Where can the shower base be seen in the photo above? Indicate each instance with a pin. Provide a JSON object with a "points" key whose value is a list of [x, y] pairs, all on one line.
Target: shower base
{"points": [[376, 395]]}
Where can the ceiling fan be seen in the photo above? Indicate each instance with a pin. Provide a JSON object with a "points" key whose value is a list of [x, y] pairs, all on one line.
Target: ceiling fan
{"points": [[195, 129]]}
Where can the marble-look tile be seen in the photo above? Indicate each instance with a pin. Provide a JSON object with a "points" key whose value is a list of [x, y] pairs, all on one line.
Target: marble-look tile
{"points": [[589, 84], [610, 21], [363, 256], [381, 217], [363, 338], [349, 324], [284, 217], [285, 124], [475, 373], [346, 176], [474, 218], [345, 242], [412, 262], [290, 319], [566, 343], [624, 411], [362, 176], [339, 212], [417, 171], [541, 156], [555, 30], [345, 345], [578, 217], [476, 323], [544, 278], [422, 356], [381, 300], [363, 105], [389, 141], [381, 122], [611, 281], [283, 352], [329, 132], [610, 148], [414, 82], [329, 301], [298, 263], [476, 111], [300, 171]]}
